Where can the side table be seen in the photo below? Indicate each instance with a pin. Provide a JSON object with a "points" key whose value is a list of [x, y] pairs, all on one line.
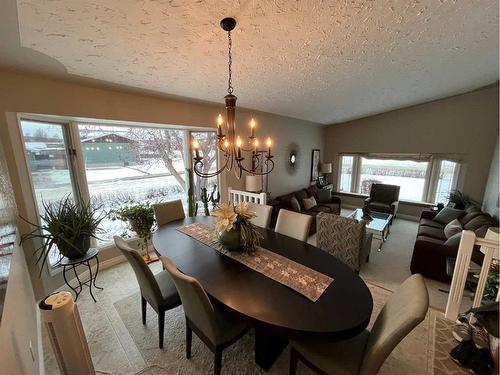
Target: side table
{"points": [[67, 264]]}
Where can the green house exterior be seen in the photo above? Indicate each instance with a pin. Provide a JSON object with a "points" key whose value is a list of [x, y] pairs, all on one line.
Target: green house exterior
{"points": [[109, 150]]}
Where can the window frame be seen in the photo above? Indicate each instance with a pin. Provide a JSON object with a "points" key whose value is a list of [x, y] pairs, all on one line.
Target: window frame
{"points": [[431, 176], [76, 162]]}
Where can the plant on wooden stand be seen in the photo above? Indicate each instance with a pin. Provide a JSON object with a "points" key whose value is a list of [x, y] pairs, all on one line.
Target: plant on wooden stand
{"points": [[234, 228], [140, 218], [67, 225]]}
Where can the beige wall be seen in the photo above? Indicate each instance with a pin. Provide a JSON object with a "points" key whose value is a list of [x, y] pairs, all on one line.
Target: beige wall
{"points": [[19, 331], [465, 124], [491, 199], [27, 93]]}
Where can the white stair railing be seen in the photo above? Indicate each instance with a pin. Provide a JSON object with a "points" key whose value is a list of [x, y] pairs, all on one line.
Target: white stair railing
{"points": [[490, 248], [239, 196]]}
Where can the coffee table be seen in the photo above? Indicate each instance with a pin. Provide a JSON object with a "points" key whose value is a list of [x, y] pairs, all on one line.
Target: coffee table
{"points": [[380, 225]]}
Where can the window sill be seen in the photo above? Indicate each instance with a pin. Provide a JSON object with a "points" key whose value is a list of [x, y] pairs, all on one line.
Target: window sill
{"points": [[405, 202]]}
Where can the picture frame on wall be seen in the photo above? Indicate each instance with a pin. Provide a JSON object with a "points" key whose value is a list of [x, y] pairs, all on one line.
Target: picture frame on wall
{"points": [[315, 165]]}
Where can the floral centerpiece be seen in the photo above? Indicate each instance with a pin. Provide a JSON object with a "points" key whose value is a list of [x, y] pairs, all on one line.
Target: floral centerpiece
{"points": [[234, 229]]}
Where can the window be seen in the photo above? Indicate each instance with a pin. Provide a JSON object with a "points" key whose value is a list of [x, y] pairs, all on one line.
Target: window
{"points": [[346, 167], [46, 147], [448, 171], [427, 178], [207, 142], [408, 174], [131, 165], [120, 165]]}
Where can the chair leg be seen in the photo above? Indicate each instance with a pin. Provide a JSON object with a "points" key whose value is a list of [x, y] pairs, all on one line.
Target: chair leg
{"points": [[161, 327], [143, 305], [218, 361], [189, 339], [294, 359]]}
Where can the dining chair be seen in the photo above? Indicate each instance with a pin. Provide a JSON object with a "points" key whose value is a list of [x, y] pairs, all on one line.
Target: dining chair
{"points": [[263, 211], [365, 353], [168, 211], [157, 290], [217, 328], [345, 238], [293, 224]]}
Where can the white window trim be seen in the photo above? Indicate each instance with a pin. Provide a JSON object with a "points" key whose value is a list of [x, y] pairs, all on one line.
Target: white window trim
{"points": [[431, 176]]}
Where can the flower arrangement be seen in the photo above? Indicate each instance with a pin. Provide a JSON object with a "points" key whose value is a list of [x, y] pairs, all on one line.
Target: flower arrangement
{"points": [[234, 228]]}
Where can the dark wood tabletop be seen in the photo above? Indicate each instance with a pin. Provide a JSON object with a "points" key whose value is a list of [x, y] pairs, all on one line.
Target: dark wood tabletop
{"points": [[341, 312]]}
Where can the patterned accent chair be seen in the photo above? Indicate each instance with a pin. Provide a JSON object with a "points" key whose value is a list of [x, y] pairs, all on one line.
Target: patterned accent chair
{"points": [[384, 198], [345, 238]]}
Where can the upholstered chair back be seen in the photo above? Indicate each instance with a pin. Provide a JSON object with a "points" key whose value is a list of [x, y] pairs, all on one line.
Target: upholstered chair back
{"points": [[168, 211], [147, 282], [404, 310], [384, 193], [196, 304], [263, 211], [342, 237], [293, 224]]}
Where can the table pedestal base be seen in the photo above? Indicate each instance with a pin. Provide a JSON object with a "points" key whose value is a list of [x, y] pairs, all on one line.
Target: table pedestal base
{"points": [[268, 348]]}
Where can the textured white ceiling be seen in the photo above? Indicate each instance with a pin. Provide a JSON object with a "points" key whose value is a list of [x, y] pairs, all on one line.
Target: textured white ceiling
{"points": [[324, 61]]}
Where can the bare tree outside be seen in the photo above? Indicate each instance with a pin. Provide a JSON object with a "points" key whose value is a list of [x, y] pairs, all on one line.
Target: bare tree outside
{"points": [[208, 150], [164, 144]]}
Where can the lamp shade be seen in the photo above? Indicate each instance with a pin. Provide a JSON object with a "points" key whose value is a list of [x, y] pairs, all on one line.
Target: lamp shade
{"points": [[325, 167], [253, 183]]}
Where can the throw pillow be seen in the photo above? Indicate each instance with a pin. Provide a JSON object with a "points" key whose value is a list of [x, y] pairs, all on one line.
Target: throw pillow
{"points": [[309, 203], [448, 214], [452, 228], [324, 196], [454, 240], [294, 203]]}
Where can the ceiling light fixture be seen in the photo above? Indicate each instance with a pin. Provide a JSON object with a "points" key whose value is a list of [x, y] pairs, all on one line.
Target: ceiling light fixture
{"points": [[231, 145]]}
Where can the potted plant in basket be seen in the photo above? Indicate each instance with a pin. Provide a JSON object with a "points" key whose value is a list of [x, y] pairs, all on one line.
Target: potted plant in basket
{"points": [[68, 225], [234, 229], [140, 219]]}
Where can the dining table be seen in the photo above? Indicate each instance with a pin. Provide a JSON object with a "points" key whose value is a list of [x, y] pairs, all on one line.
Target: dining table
{"points": [[276, 312]]}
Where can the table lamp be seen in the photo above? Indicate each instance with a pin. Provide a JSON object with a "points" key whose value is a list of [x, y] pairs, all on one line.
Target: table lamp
{"points": [[253, 183]]}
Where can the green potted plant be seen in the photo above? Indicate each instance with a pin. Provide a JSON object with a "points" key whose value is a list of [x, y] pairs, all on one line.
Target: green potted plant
{"points": [[461, 201], [68, 225], [234, 229], [140, 219]]}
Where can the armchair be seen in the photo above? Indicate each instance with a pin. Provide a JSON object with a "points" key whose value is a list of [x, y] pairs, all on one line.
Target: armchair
{"points": [[384, 198]]}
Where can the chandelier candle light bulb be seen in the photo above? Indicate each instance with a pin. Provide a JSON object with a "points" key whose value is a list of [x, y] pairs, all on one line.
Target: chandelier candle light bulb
{"points": [[252, 127], [196, 146], [269, 143], [219, 125]]}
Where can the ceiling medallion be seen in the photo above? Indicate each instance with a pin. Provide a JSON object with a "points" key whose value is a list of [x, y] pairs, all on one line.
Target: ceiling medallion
{"points": [[230, 145]]}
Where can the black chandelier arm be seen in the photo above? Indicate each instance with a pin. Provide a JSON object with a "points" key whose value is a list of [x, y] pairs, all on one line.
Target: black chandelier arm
{"points": [[268, 162], [198, 165]]}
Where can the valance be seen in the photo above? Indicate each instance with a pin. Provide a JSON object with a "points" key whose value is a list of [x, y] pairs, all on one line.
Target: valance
{"points": [[418, 157]]}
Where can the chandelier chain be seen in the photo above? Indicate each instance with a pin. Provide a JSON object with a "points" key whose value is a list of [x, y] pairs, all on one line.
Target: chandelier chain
{"points": [[230, 63]]}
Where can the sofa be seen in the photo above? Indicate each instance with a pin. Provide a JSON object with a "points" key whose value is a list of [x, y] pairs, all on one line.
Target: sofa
{"points": [[326, 202], [384, 198], [432, 247]]}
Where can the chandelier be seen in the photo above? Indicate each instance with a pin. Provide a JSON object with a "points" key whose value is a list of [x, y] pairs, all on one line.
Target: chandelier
{"points": [[259, 162]]}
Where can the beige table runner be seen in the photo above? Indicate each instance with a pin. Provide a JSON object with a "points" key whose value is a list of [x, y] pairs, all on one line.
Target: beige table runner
{"points": [[302, 279]]}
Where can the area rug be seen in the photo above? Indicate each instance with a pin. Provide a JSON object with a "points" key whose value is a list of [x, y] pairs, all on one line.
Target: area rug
{"points": [[414, 355]]}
